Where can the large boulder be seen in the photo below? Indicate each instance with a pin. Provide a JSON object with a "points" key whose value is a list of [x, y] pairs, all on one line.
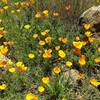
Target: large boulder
{"points": [[92, 16]]}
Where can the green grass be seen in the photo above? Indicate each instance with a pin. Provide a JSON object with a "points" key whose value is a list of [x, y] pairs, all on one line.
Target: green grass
{"points": [[65, 25]]}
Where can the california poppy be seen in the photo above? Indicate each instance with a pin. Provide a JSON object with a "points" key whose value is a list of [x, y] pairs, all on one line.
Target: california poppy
{"points": [[82, 60]]}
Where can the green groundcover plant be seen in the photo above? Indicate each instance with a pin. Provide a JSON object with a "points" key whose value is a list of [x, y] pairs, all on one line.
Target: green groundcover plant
{"points": [[46, 56]]}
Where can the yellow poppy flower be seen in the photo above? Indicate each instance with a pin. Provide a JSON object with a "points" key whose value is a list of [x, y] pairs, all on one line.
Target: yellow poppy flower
{"points": [[38, 15], [41, 89], [77, 38], [3, 50], [57, 48], [41, 42], [47, 53], [35, 35], [3, 87], [1, 29], [45, 32], [88, 33], [12, 70], [61, 53], [19, 63], [45, 12], [56, 70], [69, 64], [21, 66], [94, 82], [27, 26], [5, 7], [78, 44], [84, 43], [64, 40], [48, 39], [91, 39], [12, 11], [31, 96], [10, 42], [45, 80], [31, 56]]}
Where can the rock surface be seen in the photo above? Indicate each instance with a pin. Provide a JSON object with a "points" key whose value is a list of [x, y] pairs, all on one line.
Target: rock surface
{"points": [[92, 16], [4, 58], [72, 73]]}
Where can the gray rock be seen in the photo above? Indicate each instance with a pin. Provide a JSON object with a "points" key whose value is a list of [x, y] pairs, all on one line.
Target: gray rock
{"points": [[72, 73], [92, 16], [4, 58]]}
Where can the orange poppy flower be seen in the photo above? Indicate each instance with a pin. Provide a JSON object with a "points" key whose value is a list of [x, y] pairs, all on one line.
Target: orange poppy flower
{"points": [[56, 70], [76, 51], [82, 60], [22, 68], [2, 63], [97, 60], [87, 26], [47, 53], [64, 40], [48, 39]]}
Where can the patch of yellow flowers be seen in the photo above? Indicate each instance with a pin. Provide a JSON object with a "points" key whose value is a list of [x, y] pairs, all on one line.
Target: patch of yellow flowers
{"points": [[61, 53], [3, 86], [3, 50], [31, 96]]}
